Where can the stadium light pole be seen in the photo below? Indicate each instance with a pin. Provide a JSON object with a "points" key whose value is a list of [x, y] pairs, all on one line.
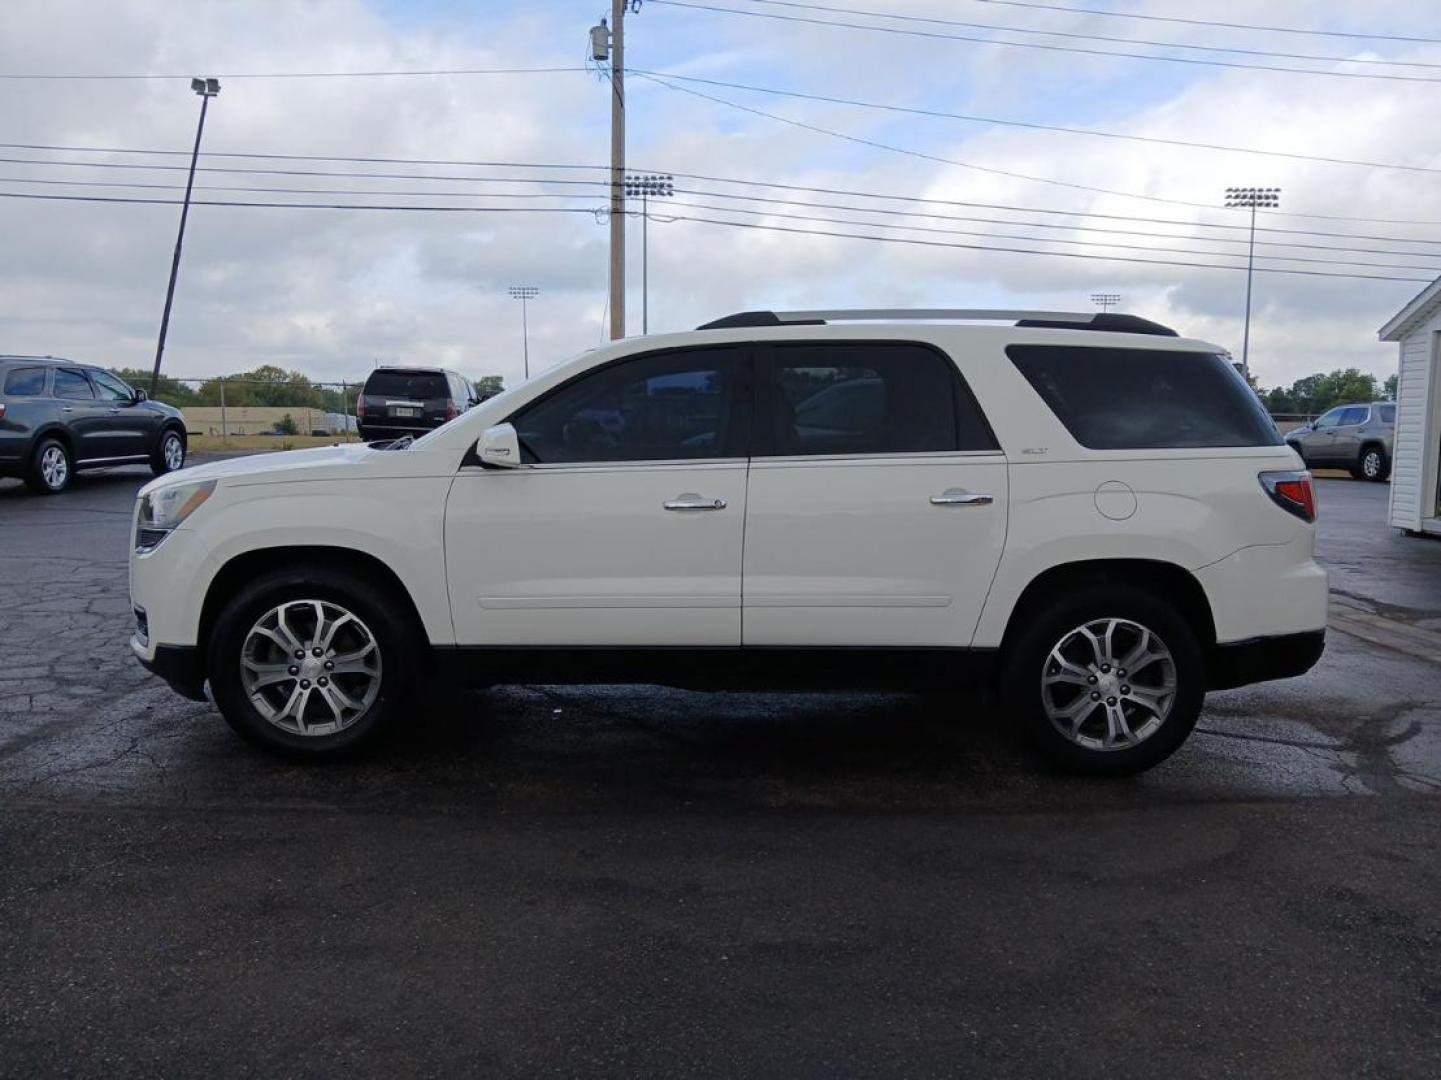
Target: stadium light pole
{"points": [[1252, 198], [651, 185], [1105, 300], [207, 89], [524, 293]]}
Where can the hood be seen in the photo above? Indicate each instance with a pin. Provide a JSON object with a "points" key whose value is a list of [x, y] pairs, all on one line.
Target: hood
{"points": [[315, 463]]}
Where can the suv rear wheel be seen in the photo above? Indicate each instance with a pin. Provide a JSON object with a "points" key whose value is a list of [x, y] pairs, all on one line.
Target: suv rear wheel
{"points": [[310, 662], [50, 468], [1372, 464], [1107, 681]]}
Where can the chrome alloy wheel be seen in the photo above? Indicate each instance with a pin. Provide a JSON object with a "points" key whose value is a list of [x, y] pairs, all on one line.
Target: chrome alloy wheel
{"points": [[1371, 464], [54, 468], [310, 667], [173, 451], [1108, 685]]}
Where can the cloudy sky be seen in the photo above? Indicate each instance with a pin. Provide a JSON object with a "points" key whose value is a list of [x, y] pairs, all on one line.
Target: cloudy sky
{"points": [[331, 291]]}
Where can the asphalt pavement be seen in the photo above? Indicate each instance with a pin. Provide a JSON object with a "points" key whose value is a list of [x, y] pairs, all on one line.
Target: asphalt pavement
{"points": [[635, 881]]}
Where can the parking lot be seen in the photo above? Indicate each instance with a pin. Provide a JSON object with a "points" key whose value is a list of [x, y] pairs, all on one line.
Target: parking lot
{"points": [[635, 880]]}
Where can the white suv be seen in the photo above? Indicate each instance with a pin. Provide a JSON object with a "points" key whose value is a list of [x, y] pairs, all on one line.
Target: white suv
{"points": [[1088, 510]]}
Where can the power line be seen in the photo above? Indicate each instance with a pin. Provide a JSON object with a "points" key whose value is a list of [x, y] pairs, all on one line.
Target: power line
{"points": [[462, 163], [1208, 22], [128, 77], [1094, 132], [766, 212], [936, 35], [713, 221], [846, 192], [1271, 53]]}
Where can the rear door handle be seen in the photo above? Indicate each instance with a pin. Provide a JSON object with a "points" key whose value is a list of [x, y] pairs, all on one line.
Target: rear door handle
{"points": [[961, 497], [67, 408], [690, 501]]}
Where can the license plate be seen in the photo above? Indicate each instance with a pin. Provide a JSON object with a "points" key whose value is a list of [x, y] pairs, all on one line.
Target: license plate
{"points": [[405, 412]]}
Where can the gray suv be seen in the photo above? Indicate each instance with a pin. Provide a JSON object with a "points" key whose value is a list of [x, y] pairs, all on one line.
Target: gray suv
{"points": [[1355, 437], [58, 417]]}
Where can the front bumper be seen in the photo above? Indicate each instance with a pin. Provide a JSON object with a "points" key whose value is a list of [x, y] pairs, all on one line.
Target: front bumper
{"points": [[1240, 663], [182, 666]]}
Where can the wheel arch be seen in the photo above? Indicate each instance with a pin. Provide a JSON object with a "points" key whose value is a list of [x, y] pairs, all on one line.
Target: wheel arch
{"points": [[248, 565], [56, 430], [1166, 580]]}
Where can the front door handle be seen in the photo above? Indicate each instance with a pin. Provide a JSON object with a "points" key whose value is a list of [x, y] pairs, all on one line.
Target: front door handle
{"points": [[691, 501], [961, 497], [67, 408]]}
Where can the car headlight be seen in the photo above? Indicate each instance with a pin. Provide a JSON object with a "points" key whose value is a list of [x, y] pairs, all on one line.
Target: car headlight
{"points": [[163, 510]]}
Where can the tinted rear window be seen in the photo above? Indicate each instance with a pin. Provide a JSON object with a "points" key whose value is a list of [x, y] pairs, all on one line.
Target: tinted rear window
{"points": [[25, 382], [413, 385], [1134, 399]]}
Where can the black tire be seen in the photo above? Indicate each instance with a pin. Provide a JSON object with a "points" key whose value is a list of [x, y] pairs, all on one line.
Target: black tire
{"points": [[159, 459], [1027, 660], [1373, 464], [385, 618], [51, 467]]}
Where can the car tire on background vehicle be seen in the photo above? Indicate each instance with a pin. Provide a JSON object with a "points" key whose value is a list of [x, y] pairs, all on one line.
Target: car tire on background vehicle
{"points": [[51, 467], [312, 663], [169, 453], [1087, 661], [1372, 464]]}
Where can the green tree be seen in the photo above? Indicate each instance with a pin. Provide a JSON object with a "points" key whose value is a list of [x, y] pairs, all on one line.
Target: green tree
{"points": [[167, 390], [287, 425], [1388, 389], [487, 386], [1314, 394]]}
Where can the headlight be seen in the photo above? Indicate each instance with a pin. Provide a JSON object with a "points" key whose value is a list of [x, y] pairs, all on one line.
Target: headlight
{"points": [[163, 510]]}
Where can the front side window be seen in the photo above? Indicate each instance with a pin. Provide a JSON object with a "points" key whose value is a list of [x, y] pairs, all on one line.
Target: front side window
{"points": [[25, 382], [1329, 419], [661, 407], [1134, 399], [868, 398], [109, 388], [72, 384]]}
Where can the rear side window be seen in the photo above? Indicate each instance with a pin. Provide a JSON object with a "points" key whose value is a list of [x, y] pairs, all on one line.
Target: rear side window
{"points": [[72, 384], [410, 385], [25, 382], [1388, 414], [867, 398], [659, 407], [1144, 399]]}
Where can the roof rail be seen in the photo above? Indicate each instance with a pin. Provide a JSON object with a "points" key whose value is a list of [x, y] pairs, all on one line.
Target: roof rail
{"points": [[1067, 320]]}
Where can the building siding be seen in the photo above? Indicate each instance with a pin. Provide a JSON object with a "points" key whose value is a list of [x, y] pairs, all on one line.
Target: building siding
{"points": [[1409, 501]]}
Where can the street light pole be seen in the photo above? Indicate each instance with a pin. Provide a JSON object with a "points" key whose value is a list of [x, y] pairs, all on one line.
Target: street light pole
{"points": [[1105, 301], [661, 186], [1240, 198], [207, 89], [524, 293]]}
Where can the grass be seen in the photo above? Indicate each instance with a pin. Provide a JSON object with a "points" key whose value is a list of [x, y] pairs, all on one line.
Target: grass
{"points": [[202, 443]]}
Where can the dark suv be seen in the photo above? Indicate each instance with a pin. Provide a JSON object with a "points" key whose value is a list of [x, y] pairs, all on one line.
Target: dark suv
{"points": [[399, 401], [57, 417]]}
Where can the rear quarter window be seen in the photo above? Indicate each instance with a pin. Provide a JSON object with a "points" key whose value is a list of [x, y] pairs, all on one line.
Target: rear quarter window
{"points": [[25, 382], [1388, 414], [411, 385], [1145, 399]]}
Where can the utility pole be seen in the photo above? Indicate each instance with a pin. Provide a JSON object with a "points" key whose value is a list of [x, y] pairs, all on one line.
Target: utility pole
{"points": [[1240, 198], [617, 169], [207, 89], [524, 293], [661, 186]]}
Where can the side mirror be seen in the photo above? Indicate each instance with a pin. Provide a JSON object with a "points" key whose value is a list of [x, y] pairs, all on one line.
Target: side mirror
{"points": [[499, 447], [141, 395]]}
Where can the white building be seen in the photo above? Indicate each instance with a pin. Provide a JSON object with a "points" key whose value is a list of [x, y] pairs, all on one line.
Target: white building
{"points": [[1415, 470]]}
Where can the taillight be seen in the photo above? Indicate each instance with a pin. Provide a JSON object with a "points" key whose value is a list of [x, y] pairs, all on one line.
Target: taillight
{"points": [[451, 412], [359, 407], [2, 410], [1291, 490]]}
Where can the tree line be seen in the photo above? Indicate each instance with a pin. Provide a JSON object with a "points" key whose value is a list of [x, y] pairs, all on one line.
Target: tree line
{"points": [[1315, 394], [268, 385]]}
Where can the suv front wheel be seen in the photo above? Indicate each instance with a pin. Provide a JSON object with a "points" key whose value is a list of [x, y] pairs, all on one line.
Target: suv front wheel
{"points": [[311, 662], [169, 453], [1107, 681]]}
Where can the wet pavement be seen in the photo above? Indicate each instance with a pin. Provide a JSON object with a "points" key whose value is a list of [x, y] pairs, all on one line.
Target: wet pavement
{"points": [[630, 880]]}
